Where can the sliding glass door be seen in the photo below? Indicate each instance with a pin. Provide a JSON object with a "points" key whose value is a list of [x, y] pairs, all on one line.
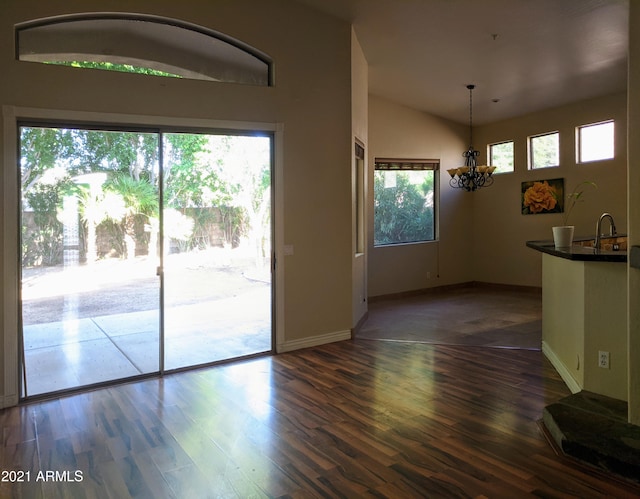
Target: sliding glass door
{"points": [[90, 294], [141, 252], [217, 247]]}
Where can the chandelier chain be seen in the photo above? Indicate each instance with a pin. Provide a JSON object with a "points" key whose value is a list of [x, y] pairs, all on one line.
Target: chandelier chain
{"points": [[470, 87]]}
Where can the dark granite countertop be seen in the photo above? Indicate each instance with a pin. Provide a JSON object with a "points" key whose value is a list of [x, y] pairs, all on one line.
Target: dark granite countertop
{"points": [[578, 252]]}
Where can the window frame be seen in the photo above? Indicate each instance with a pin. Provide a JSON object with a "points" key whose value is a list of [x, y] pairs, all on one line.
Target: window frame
{"points": [[579, 151], [530, 150], [399, 165]]}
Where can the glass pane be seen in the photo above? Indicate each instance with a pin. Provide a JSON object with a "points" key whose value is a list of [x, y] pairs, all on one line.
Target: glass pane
{"points": [[596, 142], [403, 206], [545, 150], [217, 247], [90, 294], [501, 156]]}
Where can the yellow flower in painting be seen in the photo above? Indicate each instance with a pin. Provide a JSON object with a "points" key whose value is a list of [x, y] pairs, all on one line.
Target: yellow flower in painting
{"points": [[540, 197]]}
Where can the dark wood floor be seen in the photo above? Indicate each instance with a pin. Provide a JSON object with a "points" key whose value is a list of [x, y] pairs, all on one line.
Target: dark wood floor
{"points": [[351, 419], [470, 315]]}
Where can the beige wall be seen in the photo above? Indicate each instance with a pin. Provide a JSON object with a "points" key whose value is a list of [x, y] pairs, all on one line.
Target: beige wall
{"points": [[396, 131], [500, 230], [311, 102], [360, 124]]}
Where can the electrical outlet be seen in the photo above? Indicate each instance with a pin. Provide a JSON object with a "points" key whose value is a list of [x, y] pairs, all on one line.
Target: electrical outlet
{"points": [[603, 359], [428, 275]]}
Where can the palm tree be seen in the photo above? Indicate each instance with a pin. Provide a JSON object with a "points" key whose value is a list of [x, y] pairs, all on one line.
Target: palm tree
{"points": [[140, 198], [96, 206]]}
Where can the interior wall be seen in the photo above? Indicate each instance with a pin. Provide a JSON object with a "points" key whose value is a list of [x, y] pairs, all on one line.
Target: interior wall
{"points": [[311, 101], [396, 131], [359, 120], [501, 231]]}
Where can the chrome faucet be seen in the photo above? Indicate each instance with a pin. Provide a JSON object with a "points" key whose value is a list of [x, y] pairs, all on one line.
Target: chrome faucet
{"points": [[612, 229]]}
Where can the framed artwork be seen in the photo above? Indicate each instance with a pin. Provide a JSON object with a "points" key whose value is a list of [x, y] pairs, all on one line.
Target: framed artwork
{"points": [[543, 196]]}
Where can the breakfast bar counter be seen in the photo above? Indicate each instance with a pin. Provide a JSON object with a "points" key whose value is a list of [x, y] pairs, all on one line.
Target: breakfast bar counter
{"points": [[582, 250], [584, 313]]}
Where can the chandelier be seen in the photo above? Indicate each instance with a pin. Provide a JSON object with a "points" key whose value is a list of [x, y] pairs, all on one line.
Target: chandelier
{"points": [[471, 176]]}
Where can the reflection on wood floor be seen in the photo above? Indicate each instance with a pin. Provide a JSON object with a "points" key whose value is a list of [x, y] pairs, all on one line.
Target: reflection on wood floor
{"points": [[350, 419], [469, 315]]}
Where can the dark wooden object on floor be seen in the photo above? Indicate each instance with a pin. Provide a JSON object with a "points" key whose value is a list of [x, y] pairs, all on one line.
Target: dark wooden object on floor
{"points": [[351, 419], [594, 429]]}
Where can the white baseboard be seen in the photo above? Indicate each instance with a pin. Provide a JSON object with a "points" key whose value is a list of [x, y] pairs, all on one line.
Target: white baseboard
{"points": [[564, 373], [313, 341], [8, 401]]}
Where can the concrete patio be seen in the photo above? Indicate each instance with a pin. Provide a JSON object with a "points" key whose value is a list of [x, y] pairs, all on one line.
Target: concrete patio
{"points": [[105, 333]]}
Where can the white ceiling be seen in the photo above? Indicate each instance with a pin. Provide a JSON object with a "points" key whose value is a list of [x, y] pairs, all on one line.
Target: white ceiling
{"points": [[525, 54]]}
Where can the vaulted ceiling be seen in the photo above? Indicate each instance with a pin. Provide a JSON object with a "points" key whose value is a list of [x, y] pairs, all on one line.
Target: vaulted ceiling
{"points": [[522, 55]]}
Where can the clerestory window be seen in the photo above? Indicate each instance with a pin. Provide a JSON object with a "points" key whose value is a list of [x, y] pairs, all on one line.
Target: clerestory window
{"points": [[142, 44], [544, 150], [501, 156], [595, 141]]}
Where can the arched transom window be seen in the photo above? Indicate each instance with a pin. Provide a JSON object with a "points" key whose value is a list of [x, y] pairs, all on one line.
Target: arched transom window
{"points": [[142, 44]]}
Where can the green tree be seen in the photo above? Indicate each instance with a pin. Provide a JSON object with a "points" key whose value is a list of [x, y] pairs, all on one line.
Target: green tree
{"points": [[41, 149], [191, 188], [502, 156], [134, 153], [202, 174], [42, 179], [53, 159], [242, 166], [42, 244], [545, 150], [111, 66], [188, 182]]}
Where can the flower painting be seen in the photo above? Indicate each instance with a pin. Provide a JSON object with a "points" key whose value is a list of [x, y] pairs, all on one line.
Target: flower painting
{"points": [[543, 196]]}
